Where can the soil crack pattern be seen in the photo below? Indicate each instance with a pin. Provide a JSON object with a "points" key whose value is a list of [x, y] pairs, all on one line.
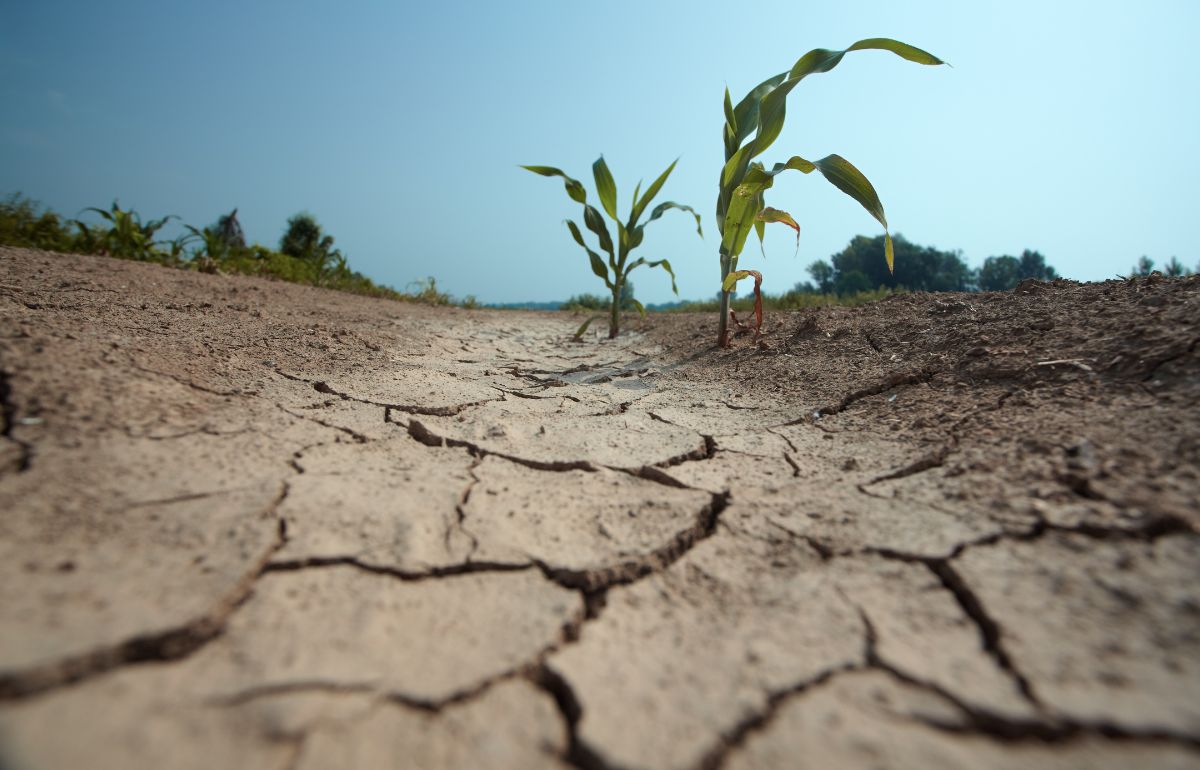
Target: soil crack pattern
{"points": [[256, 524]]}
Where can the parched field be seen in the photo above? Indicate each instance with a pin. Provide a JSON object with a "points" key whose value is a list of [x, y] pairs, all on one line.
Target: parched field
{"points": [[246, 524]]}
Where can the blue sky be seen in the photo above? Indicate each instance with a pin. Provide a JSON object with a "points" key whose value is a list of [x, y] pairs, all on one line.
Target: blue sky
{"points": [[1067, 127]]}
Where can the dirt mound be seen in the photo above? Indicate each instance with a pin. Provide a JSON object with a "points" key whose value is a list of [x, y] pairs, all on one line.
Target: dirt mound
{"points": [[254, 524]]}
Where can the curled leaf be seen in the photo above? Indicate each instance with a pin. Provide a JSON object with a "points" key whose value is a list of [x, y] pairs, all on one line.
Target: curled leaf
{"points": [[775, 215]]}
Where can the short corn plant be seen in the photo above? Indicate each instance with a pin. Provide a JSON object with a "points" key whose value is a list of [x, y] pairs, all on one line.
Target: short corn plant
{"points": [[759, 117], [615, 271], [127, 236]]}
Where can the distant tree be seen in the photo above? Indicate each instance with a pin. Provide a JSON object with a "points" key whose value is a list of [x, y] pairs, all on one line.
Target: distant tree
{"points": [[999, 273], [805, 287], [822, 273], [1033, 265], [1175, 268], [919, 268], [1005, 272], [304, 239], [852, 282], [627, 298], [1143, 268]]}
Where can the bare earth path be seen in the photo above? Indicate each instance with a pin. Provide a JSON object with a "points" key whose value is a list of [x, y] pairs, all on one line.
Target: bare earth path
{"points": [[254, 525]]}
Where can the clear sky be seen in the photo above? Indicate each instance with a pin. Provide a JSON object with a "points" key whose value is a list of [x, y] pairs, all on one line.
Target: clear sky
{"points": [[1064, 126]]}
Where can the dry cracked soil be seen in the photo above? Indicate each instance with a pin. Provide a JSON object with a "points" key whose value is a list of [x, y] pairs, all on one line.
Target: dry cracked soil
{"points": [[256, 525]]}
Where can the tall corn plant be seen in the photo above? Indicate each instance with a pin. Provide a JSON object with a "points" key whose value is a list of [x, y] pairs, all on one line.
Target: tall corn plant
{"points": [[615, 272], [759, 118]]}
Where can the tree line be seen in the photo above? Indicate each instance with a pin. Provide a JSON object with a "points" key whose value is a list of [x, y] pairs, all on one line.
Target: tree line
{"points": [[861, 267]]}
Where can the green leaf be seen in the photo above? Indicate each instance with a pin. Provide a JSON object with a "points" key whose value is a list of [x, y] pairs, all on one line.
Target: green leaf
{"points": [[640, 204], [730, 117], [746, 112], [594, 222], [844, 176], [664, 264], [638, 305], [904, 50], [889, 252], [662, 208], [584, 327], [773, 108], [597, 261], [606, 187], [574, 188]]}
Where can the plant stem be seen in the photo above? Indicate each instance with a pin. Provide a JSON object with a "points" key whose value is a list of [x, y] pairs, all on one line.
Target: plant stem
{"points": [[723, 324], [614, 319]]}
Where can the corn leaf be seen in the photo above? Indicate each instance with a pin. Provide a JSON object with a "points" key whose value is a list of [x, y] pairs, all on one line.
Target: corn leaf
{"points": [[664, 264], [606, 187], [666, 206], [640, 204], [578, 337], [844, 176], [594, 222], [773, 107], [769, 214], [598, 266], [746, 113], [574, 188], [903, 50], [640, 308]]}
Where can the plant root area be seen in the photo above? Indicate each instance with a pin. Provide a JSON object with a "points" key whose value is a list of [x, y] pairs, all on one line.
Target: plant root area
{"points": [[247, 524]]}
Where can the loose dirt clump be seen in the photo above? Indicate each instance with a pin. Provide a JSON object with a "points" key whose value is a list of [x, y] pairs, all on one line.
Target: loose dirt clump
{"points": [[254, 524]]}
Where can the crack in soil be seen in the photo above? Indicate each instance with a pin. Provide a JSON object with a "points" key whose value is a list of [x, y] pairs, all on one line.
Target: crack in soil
{"points": [[8, 415], [887, 383], [355, 436], [169, 645], [935, 459], [433, 411], [631, 570], [989, 630], [578, 753]]}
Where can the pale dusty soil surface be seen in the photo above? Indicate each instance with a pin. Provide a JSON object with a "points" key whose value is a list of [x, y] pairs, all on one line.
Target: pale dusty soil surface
{"points": [[254, 525]]}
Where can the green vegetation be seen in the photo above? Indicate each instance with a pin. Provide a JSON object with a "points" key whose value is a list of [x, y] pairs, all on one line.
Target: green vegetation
{"points": [[616, 272], [305, 255], [1004, 273], [761, 113], [1173, 269]]}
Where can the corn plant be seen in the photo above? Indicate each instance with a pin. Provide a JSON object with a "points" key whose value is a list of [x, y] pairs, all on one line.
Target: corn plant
{"points": [[127, 236], [760, 114], [616, 271]]}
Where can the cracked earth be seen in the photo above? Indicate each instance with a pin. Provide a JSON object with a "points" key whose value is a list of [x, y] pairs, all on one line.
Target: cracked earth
{"points": [[256, 525]]}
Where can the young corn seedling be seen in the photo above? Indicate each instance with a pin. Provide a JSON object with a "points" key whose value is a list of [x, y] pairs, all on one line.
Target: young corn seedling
{"points": [[615, 272], [759, 118], [127, 236]]}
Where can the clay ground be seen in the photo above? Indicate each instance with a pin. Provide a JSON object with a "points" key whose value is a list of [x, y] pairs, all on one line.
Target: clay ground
{"points": [[247, 524]]}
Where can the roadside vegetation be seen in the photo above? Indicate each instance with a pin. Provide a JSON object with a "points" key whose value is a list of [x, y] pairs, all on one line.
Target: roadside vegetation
{"points": [[306, 253]]}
